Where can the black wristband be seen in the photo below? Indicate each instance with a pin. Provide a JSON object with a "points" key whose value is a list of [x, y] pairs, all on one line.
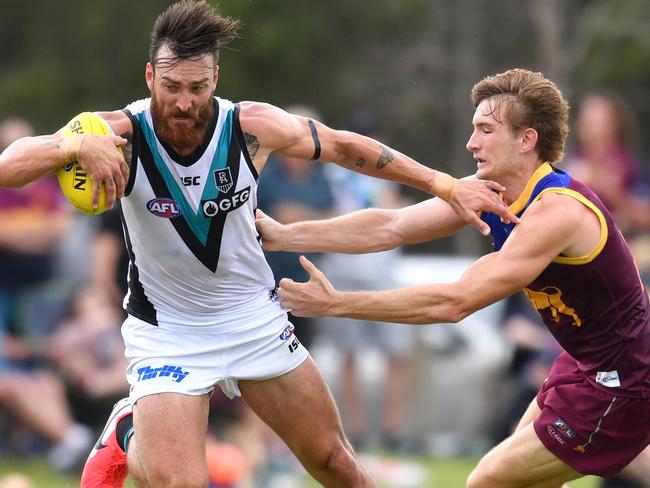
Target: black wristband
{"points": [[314, 136]]}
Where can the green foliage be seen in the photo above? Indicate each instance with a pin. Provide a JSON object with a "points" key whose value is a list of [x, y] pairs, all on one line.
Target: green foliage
{"points": [[404, 59], [617, 47]]}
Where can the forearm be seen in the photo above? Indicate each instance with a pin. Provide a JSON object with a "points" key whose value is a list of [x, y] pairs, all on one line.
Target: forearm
{"points": [[359, 232], [367, 156], [29, 159], [419, 305]]}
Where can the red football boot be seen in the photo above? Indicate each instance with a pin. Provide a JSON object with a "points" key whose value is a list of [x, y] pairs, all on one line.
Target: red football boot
{"points": [[106, 464]]}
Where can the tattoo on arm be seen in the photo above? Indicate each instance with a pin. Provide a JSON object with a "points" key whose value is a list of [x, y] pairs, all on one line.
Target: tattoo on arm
{"points": [[360, 162], [56, 144], [252, 144], [386, 157]]}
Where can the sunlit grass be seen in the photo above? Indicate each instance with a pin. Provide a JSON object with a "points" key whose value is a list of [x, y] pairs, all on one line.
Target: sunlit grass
{"points": [[426, 473]]}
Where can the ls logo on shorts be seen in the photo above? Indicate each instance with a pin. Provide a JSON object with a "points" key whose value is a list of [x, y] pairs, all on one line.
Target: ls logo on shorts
{"points": [[176, 373]]}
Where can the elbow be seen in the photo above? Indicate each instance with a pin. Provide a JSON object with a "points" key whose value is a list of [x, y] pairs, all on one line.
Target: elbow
{"points": [[456, 312], [10, 176], [346, 148], [459, 315], [389, 235], [8, 180], [383, 243]]}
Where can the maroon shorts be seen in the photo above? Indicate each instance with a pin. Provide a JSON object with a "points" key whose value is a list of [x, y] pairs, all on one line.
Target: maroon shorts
{"points": [[593, 431]]}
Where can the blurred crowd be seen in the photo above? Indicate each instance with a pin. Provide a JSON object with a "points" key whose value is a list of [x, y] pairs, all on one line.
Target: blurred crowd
{"points": [[63, 276]]}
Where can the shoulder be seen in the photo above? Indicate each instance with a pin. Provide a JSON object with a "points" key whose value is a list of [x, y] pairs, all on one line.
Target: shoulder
{"points": [[263, 118], [559, 203], [558, 219], [555, 210]]}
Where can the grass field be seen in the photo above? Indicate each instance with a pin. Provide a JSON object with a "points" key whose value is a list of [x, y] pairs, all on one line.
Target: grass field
{"points": [[389, 472]]}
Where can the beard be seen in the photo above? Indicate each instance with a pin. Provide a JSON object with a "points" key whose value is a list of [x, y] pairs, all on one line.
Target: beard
{"points": [[184, 139]]}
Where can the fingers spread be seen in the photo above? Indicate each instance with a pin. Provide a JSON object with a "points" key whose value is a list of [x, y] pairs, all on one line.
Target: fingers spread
{"points": [[96, 190], [110, 193], [493, 185], [308, 265], [506, 215], [482, 227]]}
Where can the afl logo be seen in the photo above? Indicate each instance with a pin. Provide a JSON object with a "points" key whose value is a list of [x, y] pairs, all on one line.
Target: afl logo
{"points": [[164, 207], [287, 332]]}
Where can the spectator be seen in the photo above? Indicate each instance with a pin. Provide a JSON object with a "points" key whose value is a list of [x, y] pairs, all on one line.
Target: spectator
{"points": [[354, 191], [603, 158], [289, 191], [32, 223], [88, 351]]}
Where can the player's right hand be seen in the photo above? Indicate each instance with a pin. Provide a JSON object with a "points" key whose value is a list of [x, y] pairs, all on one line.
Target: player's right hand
{"points": [[473, 196]]}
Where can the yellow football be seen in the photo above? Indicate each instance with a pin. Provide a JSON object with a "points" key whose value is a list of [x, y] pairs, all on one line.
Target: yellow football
{"points": [[75, 182]]}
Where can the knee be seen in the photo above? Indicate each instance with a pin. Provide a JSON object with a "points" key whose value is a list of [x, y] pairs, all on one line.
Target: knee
{"points": [[480, 477], [340, 463]]}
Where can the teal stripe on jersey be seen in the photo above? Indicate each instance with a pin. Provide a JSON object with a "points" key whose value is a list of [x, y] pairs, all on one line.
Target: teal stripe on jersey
{"points": [[199, 223], [220, 159]]}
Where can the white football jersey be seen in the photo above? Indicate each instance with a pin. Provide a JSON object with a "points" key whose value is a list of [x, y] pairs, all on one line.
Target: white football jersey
{"points": [[189, 222]]}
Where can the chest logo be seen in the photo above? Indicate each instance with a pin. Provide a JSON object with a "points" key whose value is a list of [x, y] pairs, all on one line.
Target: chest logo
{"points": [[223, 180], [191, 180], [164, 207], [226, 204], [550, 297]]}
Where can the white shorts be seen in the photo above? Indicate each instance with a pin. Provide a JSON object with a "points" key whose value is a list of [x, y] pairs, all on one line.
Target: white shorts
{"points": [[192, 362]]}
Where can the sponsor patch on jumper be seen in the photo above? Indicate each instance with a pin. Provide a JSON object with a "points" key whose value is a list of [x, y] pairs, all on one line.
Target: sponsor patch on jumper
{"points": [[608, 378], [226, 204]]}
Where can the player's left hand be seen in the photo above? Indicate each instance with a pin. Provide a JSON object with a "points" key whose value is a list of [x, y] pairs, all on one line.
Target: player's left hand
{"points": [[311, 299], [105, 165], [270, 230]]}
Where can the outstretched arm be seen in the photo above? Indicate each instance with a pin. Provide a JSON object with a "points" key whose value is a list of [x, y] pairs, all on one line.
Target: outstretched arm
{"points": [[29, 159], [269, 129], [369, 230], [491, 278]]}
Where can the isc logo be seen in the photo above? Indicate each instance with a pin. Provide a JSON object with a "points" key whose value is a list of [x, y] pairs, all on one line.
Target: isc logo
{"points": [[191, 180], [164, 207]]}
